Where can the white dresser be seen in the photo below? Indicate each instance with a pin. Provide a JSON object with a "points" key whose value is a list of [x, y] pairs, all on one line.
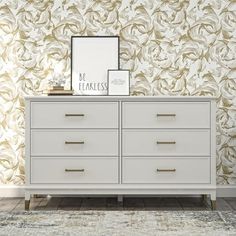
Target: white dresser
{"points": [[120, 146]]}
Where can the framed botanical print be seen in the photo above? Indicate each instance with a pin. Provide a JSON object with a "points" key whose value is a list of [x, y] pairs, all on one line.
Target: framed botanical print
{"points": [[91, 57], [118, 82]]}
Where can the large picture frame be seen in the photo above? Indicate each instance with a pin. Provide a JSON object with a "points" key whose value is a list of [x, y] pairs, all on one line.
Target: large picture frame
{"points": [[91, 57]]}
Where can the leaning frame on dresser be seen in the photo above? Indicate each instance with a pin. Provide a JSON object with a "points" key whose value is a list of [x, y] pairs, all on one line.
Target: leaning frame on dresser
{"points": [[130, 173]]}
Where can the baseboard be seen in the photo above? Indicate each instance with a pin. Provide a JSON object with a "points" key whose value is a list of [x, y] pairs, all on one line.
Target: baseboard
{"points": [[12, 191], [226, 191], [18, 191]]}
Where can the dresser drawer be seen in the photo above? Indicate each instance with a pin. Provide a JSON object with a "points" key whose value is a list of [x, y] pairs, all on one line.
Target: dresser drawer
{"points": [[166, 170], [166, 142], [74, 115], [71, 170], [166, 115], [74, 142]]}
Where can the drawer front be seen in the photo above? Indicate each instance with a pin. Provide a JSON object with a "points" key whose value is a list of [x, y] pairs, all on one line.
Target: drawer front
{"points": [[166, 143], [74, 115], [69, 170], [74, 143], [161, 170], [166, 115]]}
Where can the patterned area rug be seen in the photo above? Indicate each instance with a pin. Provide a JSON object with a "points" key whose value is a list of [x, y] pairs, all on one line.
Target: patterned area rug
{"points": [[119, 223]]}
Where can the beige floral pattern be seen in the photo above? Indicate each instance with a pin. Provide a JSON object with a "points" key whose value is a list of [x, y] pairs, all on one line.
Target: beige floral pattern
{"points": [[172, 47]]}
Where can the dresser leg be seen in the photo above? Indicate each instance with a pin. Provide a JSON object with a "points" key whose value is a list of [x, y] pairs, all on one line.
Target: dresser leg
{"points": [[213, 205], [213, 201], [120, 198], [27, 200], [27, 204]]}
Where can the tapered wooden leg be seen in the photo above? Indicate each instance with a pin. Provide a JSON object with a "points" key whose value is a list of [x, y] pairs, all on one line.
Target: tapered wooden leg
{"points": [[27, 204], [213, 205], [27, 200], [213, 200]]}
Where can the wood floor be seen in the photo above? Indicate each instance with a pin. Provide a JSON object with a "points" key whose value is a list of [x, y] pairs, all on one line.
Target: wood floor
{"points": [[111, 203]]}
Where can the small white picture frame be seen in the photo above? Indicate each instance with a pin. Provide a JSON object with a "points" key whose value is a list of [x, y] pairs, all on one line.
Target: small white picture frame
{"points": [[118, 82]]}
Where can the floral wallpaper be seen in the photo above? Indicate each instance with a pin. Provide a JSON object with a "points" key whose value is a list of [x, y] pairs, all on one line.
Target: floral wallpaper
{"points": [[172, 47]]}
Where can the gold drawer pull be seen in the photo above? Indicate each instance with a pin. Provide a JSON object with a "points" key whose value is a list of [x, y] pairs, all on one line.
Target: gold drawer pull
{"points": [[74, 170], [166, 114], [74, 114], [166, 170], [170, 142], [67, 142]]}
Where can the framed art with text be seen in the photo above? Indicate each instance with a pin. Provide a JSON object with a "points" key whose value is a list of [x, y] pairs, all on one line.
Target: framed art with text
{"points": [[91, 57], [118, 82]]}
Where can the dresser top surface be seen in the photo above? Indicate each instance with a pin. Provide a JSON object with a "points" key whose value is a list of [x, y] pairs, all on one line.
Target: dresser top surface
{"points": [[119, 98]]}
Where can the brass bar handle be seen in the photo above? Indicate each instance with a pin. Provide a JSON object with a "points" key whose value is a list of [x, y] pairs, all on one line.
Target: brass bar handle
{"points": [[166, 114], [74, 114], [166, 170], [166, 142], [69, 142], [74, 170]]}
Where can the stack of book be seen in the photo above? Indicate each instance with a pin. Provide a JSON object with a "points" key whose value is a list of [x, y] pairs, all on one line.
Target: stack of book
{"points": [[59, 90]]}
